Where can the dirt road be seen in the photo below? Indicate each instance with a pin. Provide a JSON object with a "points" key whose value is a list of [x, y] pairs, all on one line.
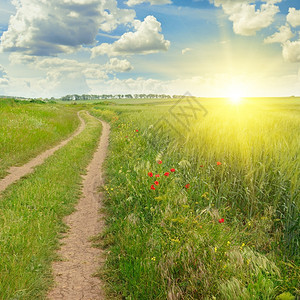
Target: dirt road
{"points": [[73, 275]]}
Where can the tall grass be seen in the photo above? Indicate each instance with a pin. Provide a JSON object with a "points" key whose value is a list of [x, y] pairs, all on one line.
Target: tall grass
{"points": [[171, 242], [28, 129], [31, 214]]}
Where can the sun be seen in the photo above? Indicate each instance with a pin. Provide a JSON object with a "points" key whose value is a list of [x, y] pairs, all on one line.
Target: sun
{"points": [[235, 95], [235, 98]]}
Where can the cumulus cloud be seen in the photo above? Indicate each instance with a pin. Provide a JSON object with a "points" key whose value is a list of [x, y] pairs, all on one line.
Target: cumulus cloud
{"points": [[285, 33], [293, 17], [44, 28], [145, 39], [89, 70], [152, 2], [291, 51], [247, 20], [118, 65]]}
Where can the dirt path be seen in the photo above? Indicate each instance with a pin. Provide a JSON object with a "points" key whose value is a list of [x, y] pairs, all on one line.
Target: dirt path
{"points": [[15, 173], [73, 275]]}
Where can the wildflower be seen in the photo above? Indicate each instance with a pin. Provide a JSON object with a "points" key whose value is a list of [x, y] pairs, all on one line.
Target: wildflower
{"points": [[205, 195], [228, 243], [136, 130], [159, 162], [167, 174], [201, 166], [156, 182], [187, 186], [221, 220], [219, 163], [176, 240], [152, 187], [172, 170], [150, 174], [216, 249], [157, 175], [126, 136], [153, 258]]}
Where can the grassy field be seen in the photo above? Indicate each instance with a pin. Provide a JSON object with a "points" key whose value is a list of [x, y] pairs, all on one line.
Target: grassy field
{"points": [[27, 129], [222, 219], [31, 213], [201, 197]]}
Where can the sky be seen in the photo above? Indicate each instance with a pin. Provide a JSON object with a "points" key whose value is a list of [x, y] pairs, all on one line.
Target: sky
{"points": [[209, 48]]}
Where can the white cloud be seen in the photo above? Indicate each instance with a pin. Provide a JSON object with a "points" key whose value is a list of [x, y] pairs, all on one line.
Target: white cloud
{"points": [[293, 17], [281, 36], [3, 77], [247, 20], [291, 51], [145, 40], [118, 65], [43, 28], [184, 51], [152, 2], [94, 71]]}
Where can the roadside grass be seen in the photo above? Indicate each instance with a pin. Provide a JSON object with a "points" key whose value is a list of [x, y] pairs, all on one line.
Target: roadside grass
{"points": [[31, 214], [28, 129], [224, 225]]}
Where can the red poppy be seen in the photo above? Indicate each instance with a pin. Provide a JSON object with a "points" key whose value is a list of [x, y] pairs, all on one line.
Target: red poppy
{"points": [[157, 175], [172, 170], [156, 182], [159, 162], [201, 166], [150, 174], [219, 163], [167, 174], [126, 136], [136, 130], [187, 186], [221, 220], [152, 187]]}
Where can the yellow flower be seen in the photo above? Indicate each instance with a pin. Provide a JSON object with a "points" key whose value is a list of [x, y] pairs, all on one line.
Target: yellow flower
{"points": [[153, 258], [243, 245], [228, 243], [176, 240], [216, 249]]}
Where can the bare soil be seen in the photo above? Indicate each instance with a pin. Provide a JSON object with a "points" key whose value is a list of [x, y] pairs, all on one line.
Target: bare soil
{"points": [[74, 273]]}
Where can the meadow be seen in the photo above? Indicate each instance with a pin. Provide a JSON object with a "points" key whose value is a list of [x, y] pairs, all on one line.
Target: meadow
{"points": [[203, 206], [31, 216], [26, 129], [201, 197]]}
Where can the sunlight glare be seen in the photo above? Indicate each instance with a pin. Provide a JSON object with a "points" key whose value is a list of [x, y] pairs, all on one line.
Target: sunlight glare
{"points": [[235, 95]]}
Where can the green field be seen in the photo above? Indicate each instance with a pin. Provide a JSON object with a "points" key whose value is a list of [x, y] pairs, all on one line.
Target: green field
{"points": [[241, 164], [220, 222], [27, 129], [31, 213]]}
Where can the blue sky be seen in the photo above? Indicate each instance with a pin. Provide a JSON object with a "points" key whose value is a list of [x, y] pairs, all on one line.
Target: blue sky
{"points": [[209, 48]]}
